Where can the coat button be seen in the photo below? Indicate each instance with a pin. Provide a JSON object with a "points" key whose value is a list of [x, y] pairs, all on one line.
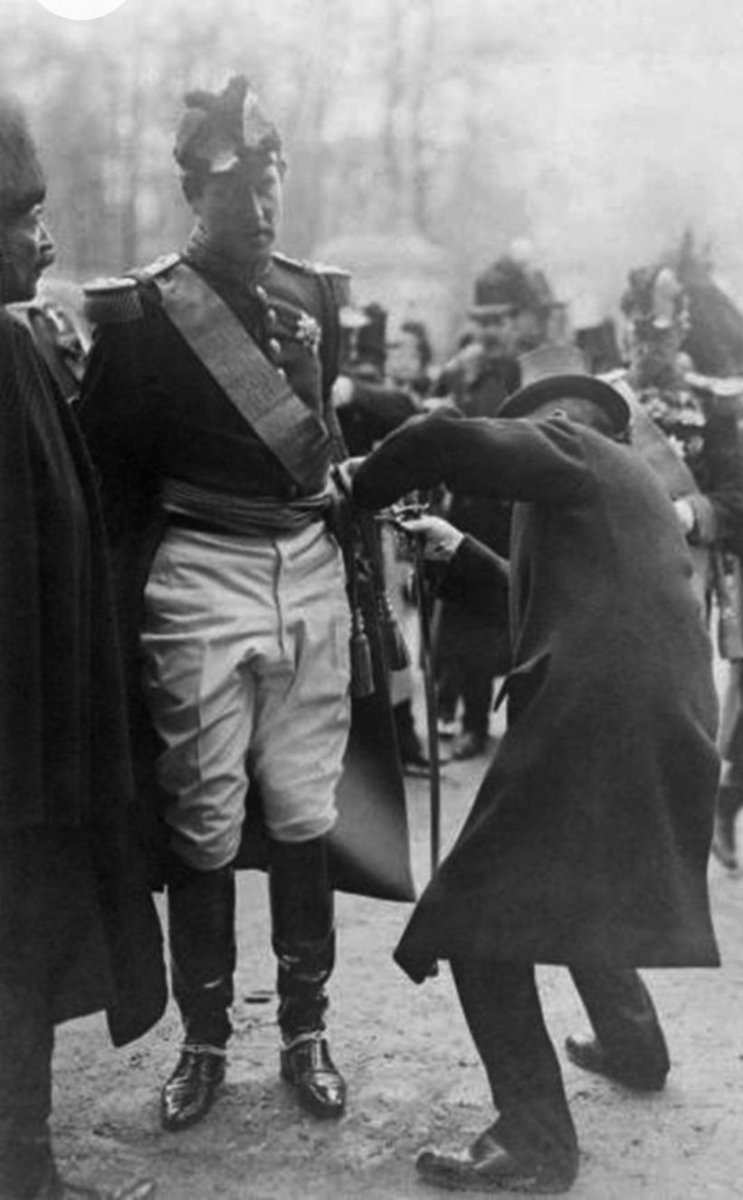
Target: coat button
{"points": [[261, 294], [274, 349], [272, 318]]}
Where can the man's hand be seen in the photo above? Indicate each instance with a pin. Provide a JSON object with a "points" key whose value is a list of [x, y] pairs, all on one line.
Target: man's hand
{"points": [[342, 391], [343, 473], [686, 515], [440, 540]]}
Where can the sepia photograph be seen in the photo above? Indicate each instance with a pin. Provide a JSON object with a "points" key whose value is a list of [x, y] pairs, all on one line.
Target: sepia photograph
{"points": [[371, 599]]}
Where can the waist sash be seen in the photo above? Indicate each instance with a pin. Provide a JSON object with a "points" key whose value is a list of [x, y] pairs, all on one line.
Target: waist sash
{"points": [[249, 516], [284, 423]]}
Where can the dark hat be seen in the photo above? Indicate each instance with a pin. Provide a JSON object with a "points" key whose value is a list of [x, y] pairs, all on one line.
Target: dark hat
{"points": [[508, 284], [22, 183], [550, 359], [220, 130], [565, 387]]}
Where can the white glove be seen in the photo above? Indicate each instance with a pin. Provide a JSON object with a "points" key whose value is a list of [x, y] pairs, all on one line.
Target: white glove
{"points": [[440, 539]]}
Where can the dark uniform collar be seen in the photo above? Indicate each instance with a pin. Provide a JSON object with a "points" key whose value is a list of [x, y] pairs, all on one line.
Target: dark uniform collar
{"points": [[201, 255]]}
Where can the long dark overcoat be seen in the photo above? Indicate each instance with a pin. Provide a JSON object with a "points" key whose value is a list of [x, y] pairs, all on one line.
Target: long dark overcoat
{"points": [[588, 840], [65, 767]]}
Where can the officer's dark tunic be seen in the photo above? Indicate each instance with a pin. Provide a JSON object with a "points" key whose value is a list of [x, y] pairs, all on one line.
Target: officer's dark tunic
{"points": [[151, 411]]}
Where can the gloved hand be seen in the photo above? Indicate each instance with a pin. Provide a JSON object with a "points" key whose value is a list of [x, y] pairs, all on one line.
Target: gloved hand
{"points": [[440, 540]]}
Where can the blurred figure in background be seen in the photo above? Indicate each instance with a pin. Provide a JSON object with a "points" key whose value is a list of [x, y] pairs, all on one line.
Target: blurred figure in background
{"points": [[410, 358], [78, 931], [472, 647], [685, 340]]}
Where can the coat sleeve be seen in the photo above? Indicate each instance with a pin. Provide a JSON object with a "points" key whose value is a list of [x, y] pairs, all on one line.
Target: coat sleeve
{"points": [[474, 574], [21, 735], [116, 416], [373, 411], [539, 461]]}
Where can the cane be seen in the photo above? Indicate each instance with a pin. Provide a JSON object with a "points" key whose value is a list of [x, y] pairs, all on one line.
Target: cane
{"points": [[395, 516], [429, 686]]}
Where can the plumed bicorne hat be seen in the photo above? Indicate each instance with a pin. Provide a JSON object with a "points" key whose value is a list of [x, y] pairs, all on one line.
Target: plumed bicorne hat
{"points": [[547, 387], [22, 183], [220, 130]]}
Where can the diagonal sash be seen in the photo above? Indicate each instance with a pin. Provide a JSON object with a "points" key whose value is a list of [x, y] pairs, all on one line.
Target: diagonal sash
{"points": [[283, 422]]}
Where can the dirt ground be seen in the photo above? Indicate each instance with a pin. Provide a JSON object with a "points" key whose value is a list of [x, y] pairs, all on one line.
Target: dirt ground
{"points": [[412, 1073]]}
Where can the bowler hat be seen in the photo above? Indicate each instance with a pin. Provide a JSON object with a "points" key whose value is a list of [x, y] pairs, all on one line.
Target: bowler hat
{"points": [[508, 285], [565, 387]]}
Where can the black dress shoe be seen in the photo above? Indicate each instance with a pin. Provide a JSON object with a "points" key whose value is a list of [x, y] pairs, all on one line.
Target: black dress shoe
{"points": [[589, 1054], [59, 1189], [320, 1087], [486, 1166], [189, 1093]]}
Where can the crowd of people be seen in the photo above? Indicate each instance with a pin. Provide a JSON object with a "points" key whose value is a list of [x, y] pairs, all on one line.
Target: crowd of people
{"points": [[210, 663]]}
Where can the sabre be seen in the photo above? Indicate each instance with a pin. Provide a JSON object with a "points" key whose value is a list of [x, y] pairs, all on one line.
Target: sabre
{"points": [[396, 516]]}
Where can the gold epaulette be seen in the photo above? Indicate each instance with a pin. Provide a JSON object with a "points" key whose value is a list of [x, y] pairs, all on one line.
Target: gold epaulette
{"points": [[338, 281], [306, 267], [115, 300], [112, 301], [161, 265], [327, 269]]}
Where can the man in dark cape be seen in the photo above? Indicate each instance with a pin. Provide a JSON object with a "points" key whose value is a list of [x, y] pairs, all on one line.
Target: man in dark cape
{"points": [[587, 843], [78, 930]]}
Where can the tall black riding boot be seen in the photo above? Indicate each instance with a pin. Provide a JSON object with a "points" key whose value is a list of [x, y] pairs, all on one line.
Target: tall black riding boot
{"points": [[304, 944], [201, 912]]}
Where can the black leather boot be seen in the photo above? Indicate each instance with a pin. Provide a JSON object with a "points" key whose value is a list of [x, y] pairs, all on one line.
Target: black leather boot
{"points": [[59, 1189], [304, 944], [201, 911]]}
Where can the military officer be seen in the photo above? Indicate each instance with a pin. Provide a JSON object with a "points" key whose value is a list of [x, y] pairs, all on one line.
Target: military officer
{"points": [[205, 407]]}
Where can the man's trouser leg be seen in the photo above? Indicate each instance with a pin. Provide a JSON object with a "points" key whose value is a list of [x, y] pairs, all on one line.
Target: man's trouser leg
{"points": [[201, 918], [503, 1011], [26, 1045], [728, 804], [630, 1046], [303, 939]]}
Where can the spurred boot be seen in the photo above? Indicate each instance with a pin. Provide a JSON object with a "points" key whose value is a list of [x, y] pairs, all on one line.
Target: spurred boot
{"points": [[304, 944], [729, 802], [201, 912]]}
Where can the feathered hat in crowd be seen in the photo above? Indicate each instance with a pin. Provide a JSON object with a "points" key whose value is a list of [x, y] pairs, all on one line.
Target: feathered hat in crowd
{"points": [[220, 130], [22, 182]]}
